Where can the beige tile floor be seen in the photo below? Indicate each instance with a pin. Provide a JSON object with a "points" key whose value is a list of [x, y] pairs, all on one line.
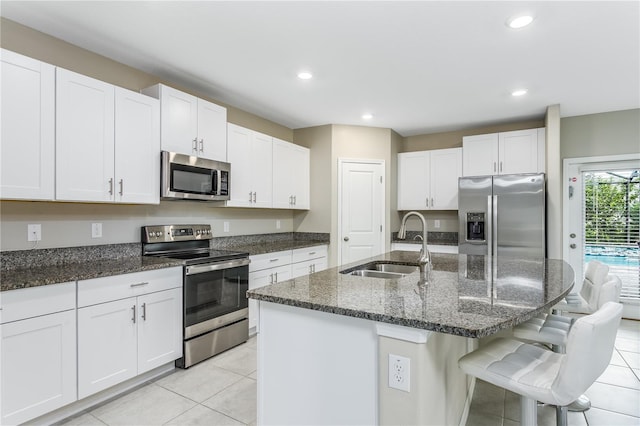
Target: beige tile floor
{"points": [[222, 391]]}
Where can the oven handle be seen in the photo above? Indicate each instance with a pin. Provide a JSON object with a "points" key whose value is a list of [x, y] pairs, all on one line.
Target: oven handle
{"points": [[200, 269]]}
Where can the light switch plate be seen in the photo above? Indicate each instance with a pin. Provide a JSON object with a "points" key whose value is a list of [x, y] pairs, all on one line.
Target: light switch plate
{"points": [[96, 230]]}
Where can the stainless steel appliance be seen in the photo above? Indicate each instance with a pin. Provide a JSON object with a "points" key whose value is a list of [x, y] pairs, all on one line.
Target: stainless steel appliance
{"points": [[216, 309], [502, 215], [193, 178]]}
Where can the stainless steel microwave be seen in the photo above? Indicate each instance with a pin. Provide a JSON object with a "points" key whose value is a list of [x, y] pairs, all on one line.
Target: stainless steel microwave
{"points": [[193, 178]]}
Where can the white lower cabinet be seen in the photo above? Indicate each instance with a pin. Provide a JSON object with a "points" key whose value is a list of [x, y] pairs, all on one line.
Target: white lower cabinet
{"points": [[119, 339], [280, 266], [308, 260], [38, 370]]}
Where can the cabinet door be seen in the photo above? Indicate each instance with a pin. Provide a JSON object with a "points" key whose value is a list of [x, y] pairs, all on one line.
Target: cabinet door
{"points": [[413, 180], [446, 168], [239, 155], [262, 169], [28, 128], [518, 152], [301, 171], [283, 187], [480, 155], [179, 121], [301, 269], [84, 138], [38, 366], [159, 328], [107, 341], [212, 131], [256, 280], [137, 148]]}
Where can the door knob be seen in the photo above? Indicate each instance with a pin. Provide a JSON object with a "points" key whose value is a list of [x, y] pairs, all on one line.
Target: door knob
{"points": [[572, 235], [572, 246], [346, 238]]}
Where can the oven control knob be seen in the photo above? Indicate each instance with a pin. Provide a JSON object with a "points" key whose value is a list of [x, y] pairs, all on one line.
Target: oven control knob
{"points": [[152, 234], [197, 232]]}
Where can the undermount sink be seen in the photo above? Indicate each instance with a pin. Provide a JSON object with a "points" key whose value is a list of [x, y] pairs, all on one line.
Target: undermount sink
{"points": [[381, 270]]}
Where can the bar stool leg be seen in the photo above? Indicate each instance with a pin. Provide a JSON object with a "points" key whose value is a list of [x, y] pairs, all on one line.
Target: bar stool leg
{"points": [[528, 411], [583, 403], [561, 416]]}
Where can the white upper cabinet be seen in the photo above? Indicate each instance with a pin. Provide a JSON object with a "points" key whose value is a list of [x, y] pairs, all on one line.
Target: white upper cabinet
{"points": [[250, 155], [190, 125], [107, 142], [27, 143], [137, 148], [290, 175], [84, 138], [428, 180], [521, 151]]}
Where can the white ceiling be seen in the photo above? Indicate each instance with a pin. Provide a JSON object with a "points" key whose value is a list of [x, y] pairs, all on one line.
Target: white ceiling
{"points": [[418, 67]]}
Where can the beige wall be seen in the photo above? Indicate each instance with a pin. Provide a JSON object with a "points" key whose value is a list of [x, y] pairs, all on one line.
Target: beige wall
{"points": [[454, 139], [608, 133], [318, 140], [553, 165], [69, 224]]}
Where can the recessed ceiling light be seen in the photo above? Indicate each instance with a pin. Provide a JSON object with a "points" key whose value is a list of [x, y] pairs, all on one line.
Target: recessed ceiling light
{"points": [[367, 116], [519, 21], [519, 92], [304, 75]]}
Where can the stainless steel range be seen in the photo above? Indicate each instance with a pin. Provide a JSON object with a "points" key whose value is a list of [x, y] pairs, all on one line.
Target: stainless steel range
{"points": [[215, 314]]}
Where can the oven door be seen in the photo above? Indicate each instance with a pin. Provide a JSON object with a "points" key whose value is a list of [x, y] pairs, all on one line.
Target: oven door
{"points": [[215, 295]]}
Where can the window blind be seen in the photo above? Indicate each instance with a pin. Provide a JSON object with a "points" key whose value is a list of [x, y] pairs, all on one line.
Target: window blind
{"points": [[612, 224]]}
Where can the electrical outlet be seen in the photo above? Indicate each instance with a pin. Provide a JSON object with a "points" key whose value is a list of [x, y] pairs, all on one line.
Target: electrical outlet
{"points": [[399, 372], [96, 230], [225, 226], [34, 232], [436, 223], [277, 223]]}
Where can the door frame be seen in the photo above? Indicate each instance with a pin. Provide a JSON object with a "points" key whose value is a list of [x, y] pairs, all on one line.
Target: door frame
{"points": [[383, 200], [572, 169]]}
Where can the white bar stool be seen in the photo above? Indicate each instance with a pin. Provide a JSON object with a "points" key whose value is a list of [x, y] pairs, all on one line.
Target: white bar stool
{"points": [[537, 374], [552, 329]]}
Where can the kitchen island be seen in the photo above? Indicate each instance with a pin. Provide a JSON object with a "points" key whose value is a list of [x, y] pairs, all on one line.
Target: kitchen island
{"points": [[326, 341]]}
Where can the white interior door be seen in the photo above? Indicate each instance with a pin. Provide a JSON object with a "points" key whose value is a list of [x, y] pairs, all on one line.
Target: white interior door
{"points": [[361, 207]]}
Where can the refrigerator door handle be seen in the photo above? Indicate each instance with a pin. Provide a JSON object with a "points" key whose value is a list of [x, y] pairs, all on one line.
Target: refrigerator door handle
{"points": [[494, 225], [489, 225]]}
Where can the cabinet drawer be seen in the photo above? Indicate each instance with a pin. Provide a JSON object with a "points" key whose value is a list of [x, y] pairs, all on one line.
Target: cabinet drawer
{"points": [[105, 289], [35, 301], [270, 260], [308, 253]]}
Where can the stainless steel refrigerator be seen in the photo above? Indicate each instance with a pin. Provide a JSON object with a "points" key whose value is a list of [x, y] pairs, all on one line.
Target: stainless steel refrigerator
{"points": [[502, 215]]}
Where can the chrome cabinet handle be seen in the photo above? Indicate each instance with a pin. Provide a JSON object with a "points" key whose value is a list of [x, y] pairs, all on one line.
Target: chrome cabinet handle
{"points": [[426, 200], [501, 167], [194, 147], [276, 277], [254, 196], [494, 167], [432, 202], [144, 311], [273, 260], [290, 199], [202, 145], [139, 284], [250, 196], [121, 186], [295, 199], [271, 278], [133, 317], [111, 186], [312, 253]]}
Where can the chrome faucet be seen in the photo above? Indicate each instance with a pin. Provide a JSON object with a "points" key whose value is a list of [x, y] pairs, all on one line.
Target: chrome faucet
{"points": [[425, 257]]}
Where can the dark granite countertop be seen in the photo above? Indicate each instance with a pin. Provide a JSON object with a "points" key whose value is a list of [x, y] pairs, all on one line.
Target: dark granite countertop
{"points": [[433, 238], [457, 299], [12, 279], [270, 243]]}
